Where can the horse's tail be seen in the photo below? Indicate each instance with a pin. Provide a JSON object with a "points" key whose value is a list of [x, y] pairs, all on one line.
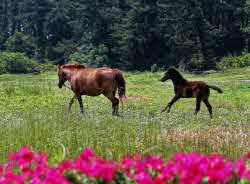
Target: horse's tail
{"points": [[121, 84], [215, 88]]}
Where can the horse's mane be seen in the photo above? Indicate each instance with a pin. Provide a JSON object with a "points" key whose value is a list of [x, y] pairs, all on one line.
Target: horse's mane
{"points": [[176, 73], [73, 66]]}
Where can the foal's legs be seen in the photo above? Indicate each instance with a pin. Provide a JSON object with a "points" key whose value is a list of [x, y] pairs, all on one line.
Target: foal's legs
{"points": [[168, 107], [79, 98], [71, 102], [209, 107], [198, 105]]}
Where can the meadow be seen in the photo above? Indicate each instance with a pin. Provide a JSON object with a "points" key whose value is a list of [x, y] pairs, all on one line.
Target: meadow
{"points": [[33, 112]]}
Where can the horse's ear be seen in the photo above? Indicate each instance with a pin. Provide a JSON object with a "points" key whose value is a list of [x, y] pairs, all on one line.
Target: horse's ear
{"points": [[59, 66]]}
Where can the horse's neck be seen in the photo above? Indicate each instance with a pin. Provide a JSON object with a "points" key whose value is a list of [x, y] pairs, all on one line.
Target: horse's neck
{"points": [[179, 82], [69, 74]]}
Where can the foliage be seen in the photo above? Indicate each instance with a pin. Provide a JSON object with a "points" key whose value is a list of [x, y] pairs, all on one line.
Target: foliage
{"points": [[15, 62], [47, 66], [234, 61], [26, 166], [2, 67], [20, 42], [135, 34], [195, 64], [156, 68], [93, 56]]}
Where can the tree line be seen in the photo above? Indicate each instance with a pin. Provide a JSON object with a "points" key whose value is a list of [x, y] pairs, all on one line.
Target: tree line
{"points": [[130, 34]]}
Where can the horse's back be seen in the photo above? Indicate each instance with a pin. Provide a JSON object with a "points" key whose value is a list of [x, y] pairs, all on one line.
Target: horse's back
{"points": [[93, 81], [195, 88], [196, 83]]}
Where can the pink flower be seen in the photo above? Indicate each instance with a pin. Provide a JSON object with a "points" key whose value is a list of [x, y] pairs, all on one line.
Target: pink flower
{"points": [[248, 175], [11, 177], [240, 168], [159, 180], [143, 178], [65, 165], [52, 176], [248, 155], [86, 154], [26, 166], [153, 162]]}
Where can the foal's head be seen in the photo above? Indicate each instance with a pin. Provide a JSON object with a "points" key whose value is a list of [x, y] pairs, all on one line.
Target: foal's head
{"points": [[172, 74]]}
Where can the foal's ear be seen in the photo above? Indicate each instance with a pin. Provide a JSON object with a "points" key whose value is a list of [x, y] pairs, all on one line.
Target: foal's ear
{"points": [[172, 69]]}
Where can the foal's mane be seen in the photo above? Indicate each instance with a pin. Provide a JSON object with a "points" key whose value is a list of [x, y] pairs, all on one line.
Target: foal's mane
{"points": [[176, 73], [73, 66]]}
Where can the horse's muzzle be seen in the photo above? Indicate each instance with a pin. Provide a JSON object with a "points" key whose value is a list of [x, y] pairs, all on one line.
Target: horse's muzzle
{"points": [[59, 85], [162, 80]]}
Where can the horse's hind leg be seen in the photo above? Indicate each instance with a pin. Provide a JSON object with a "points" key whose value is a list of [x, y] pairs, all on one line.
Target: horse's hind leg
{"points": [[71, 102], [115, 103], [198, 105], [209, 107], [79, 98], [115, 106]]}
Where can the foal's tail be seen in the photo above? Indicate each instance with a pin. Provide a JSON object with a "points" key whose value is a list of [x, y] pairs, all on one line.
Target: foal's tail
{"points": [[121, 83], [215, 88]]}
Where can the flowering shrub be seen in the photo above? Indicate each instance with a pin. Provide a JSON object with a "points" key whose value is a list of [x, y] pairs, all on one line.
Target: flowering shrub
{"points": [[26, 166]]}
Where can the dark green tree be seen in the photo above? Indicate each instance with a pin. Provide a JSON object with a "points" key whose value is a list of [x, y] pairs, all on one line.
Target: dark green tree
{"points": [[132, 34], [20, 42]]}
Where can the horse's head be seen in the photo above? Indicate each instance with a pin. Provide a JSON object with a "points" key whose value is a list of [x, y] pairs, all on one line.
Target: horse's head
{"points": [[172, 74], [61, 76], [66, 71]]}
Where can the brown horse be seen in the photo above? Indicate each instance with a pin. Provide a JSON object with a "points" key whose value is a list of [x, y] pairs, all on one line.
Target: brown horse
{"points": [[93, 82], [188, 89]]}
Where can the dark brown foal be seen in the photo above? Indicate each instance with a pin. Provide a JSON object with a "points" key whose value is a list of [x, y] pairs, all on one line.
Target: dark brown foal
{"points": [[189, 89]]}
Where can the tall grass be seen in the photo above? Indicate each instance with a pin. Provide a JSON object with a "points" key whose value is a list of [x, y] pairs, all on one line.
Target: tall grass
{"points": [[33, 112]]}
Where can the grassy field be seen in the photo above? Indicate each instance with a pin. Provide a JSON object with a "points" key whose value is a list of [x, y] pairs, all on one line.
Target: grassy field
{"points": [[33, 112]]}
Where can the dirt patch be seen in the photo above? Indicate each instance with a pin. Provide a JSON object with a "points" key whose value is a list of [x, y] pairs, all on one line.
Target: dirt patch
{"points": [[135, 98]]}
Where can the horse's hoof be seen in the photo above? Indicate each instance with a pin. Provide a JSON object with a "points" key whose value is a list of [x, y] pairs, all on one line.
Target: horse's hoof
{"points": [[82, 114]]}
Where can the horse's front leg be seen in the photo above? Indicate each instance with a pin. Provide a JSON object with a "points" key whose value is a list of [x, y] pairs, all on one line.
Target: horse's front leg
{"points": [[79, 98], [71, 102], [168, 107]]}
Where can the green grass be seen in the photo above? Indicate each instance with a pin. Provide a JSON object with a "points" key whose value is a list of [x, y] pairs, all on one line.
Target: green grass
{"points": [[33, 112]]}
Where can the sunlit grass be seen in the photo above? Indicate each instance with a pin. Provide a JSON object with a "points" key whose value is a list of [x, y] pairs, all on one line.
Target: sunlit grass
{"points": [[33, 112]]}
